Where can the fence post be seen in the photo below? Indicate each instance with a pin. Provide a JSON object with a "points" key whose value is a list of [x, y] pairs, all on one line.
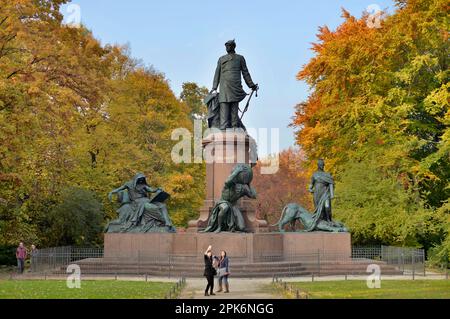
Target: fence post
{"points": [[402, 262], [170, 265], [139, 262], [446, 271], [413, 259], [423, 263], [318, 262]]}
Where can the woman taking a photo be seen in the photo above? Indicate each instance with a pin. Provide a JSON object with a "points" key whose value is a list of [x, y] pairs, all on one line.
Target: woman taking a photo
{"points": [[210, 272], [224, 271]]}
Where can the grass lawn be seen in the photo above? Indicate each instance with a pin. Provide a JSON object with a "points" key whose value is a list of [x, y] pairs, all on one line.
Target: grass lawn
{"points": [[50, 289], [390, 289]]}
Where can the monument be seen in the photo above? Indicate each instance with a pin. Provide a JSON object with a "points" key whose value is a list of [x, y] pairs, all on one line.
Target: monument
{"points": [[227, 219], [228, 144]]}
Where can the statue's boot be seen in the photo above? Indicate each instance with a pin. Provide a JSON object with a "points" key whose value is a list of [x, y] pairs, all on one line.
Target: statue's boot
{"points": [[227, 288]]}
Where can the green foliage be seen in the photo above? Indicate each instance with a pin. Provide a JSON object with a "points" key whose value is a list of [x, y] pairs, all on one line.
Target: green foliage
{"points": [[439, 255], [193, 96], [380, 210], [76, 220], [8, 255]]}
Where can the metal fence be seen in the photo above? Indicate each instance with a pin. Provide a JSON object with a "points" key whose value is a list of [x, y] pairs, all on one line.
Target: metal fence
{"points": [[57, 259], [391, 261]]}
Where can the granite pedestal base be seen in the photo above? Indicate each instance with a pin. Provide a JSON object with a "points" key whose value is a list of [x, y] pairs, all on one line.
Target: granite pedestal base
{"points": [[246, 247]]}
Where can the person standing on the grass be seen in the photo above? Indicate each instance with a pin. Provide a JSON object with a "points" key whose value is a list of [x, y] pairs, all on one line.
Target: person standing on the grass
{"points": [[21, 255], [33, 254], [224, 272], [210, 272]]}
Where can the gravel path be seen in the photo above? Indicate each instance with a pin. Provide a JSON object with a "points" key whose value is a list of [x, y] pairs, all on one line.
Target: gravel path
{"points": [[239, 289]]}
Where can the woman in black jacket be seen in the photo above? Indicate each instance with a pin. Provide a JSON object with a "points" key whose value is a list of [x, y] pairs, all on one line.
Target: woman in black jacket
{"points": [[210, 272]]}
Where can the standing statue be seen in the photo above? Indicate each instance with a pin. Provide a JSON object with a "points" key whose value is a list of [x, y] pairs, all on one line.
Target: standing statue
{"points": [[322, 186], [223, 107], [225, 215], [138, 213]]}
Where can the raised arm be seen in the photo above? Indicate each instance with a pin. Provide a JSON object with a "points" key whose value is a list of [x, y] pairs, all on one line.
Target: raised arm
{"points": [[208, 250]]}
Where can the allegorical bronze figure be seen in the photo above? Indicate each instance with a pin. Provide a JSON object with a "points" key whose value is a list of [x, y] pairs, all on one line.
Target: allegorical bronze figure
{"points": [[226, 216], [138, 212], [224, 106], [322, 186]]}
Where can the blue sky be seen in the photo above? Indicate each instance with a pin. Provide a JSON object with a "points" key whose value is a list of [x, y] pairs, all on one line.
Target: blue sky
{"points": [[183, 39]]}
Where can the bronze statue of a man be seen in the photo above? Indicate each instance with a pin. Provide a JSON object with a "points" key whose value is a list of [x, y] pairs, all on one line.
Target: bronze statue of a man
{"points": [[228, 75]]}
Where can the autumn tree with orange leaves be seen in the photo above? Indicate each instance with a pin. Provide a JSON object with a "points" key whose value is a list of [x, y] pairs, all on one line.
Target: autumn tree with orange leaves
{"points": [[379, 115]]}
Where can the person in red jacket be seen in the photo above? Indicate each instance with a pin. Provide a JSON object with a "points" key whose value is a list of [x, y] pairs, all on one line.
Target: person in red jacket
{"points": [[21, 255]]}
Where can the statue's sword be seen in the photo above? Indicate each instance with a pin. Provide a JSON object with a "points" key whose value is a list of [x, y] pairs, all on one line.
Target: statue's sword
{"points": [[248, 102]]}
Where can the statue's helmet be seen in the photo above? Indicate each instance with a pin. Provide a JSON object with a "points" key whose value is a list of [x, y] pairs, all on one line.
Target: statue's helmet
{"points": [[231, 43]]}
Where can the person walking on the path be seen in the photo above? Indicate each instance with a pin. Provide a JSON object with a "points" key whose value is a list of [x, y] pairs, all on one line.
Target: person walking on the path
{"points": [[224, 272], [21, 255], [33, 255], [210, 272]]}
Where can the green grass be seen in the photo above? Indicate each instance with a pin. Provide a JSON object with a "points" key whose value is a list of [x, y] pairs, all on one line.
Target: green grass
{"points": [[50, 289], [390, 289]]}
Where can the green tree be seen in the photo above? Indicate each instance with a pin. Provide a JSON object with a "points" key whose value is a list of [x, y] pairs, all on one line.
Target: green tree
{"points": [[76, 220], [193, 96]]}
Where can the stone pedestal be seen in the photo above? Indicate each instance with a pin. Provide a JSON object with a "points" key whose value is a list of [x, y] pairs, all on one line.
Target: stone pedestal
{"points": [[223, 151], [246, 248]]}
